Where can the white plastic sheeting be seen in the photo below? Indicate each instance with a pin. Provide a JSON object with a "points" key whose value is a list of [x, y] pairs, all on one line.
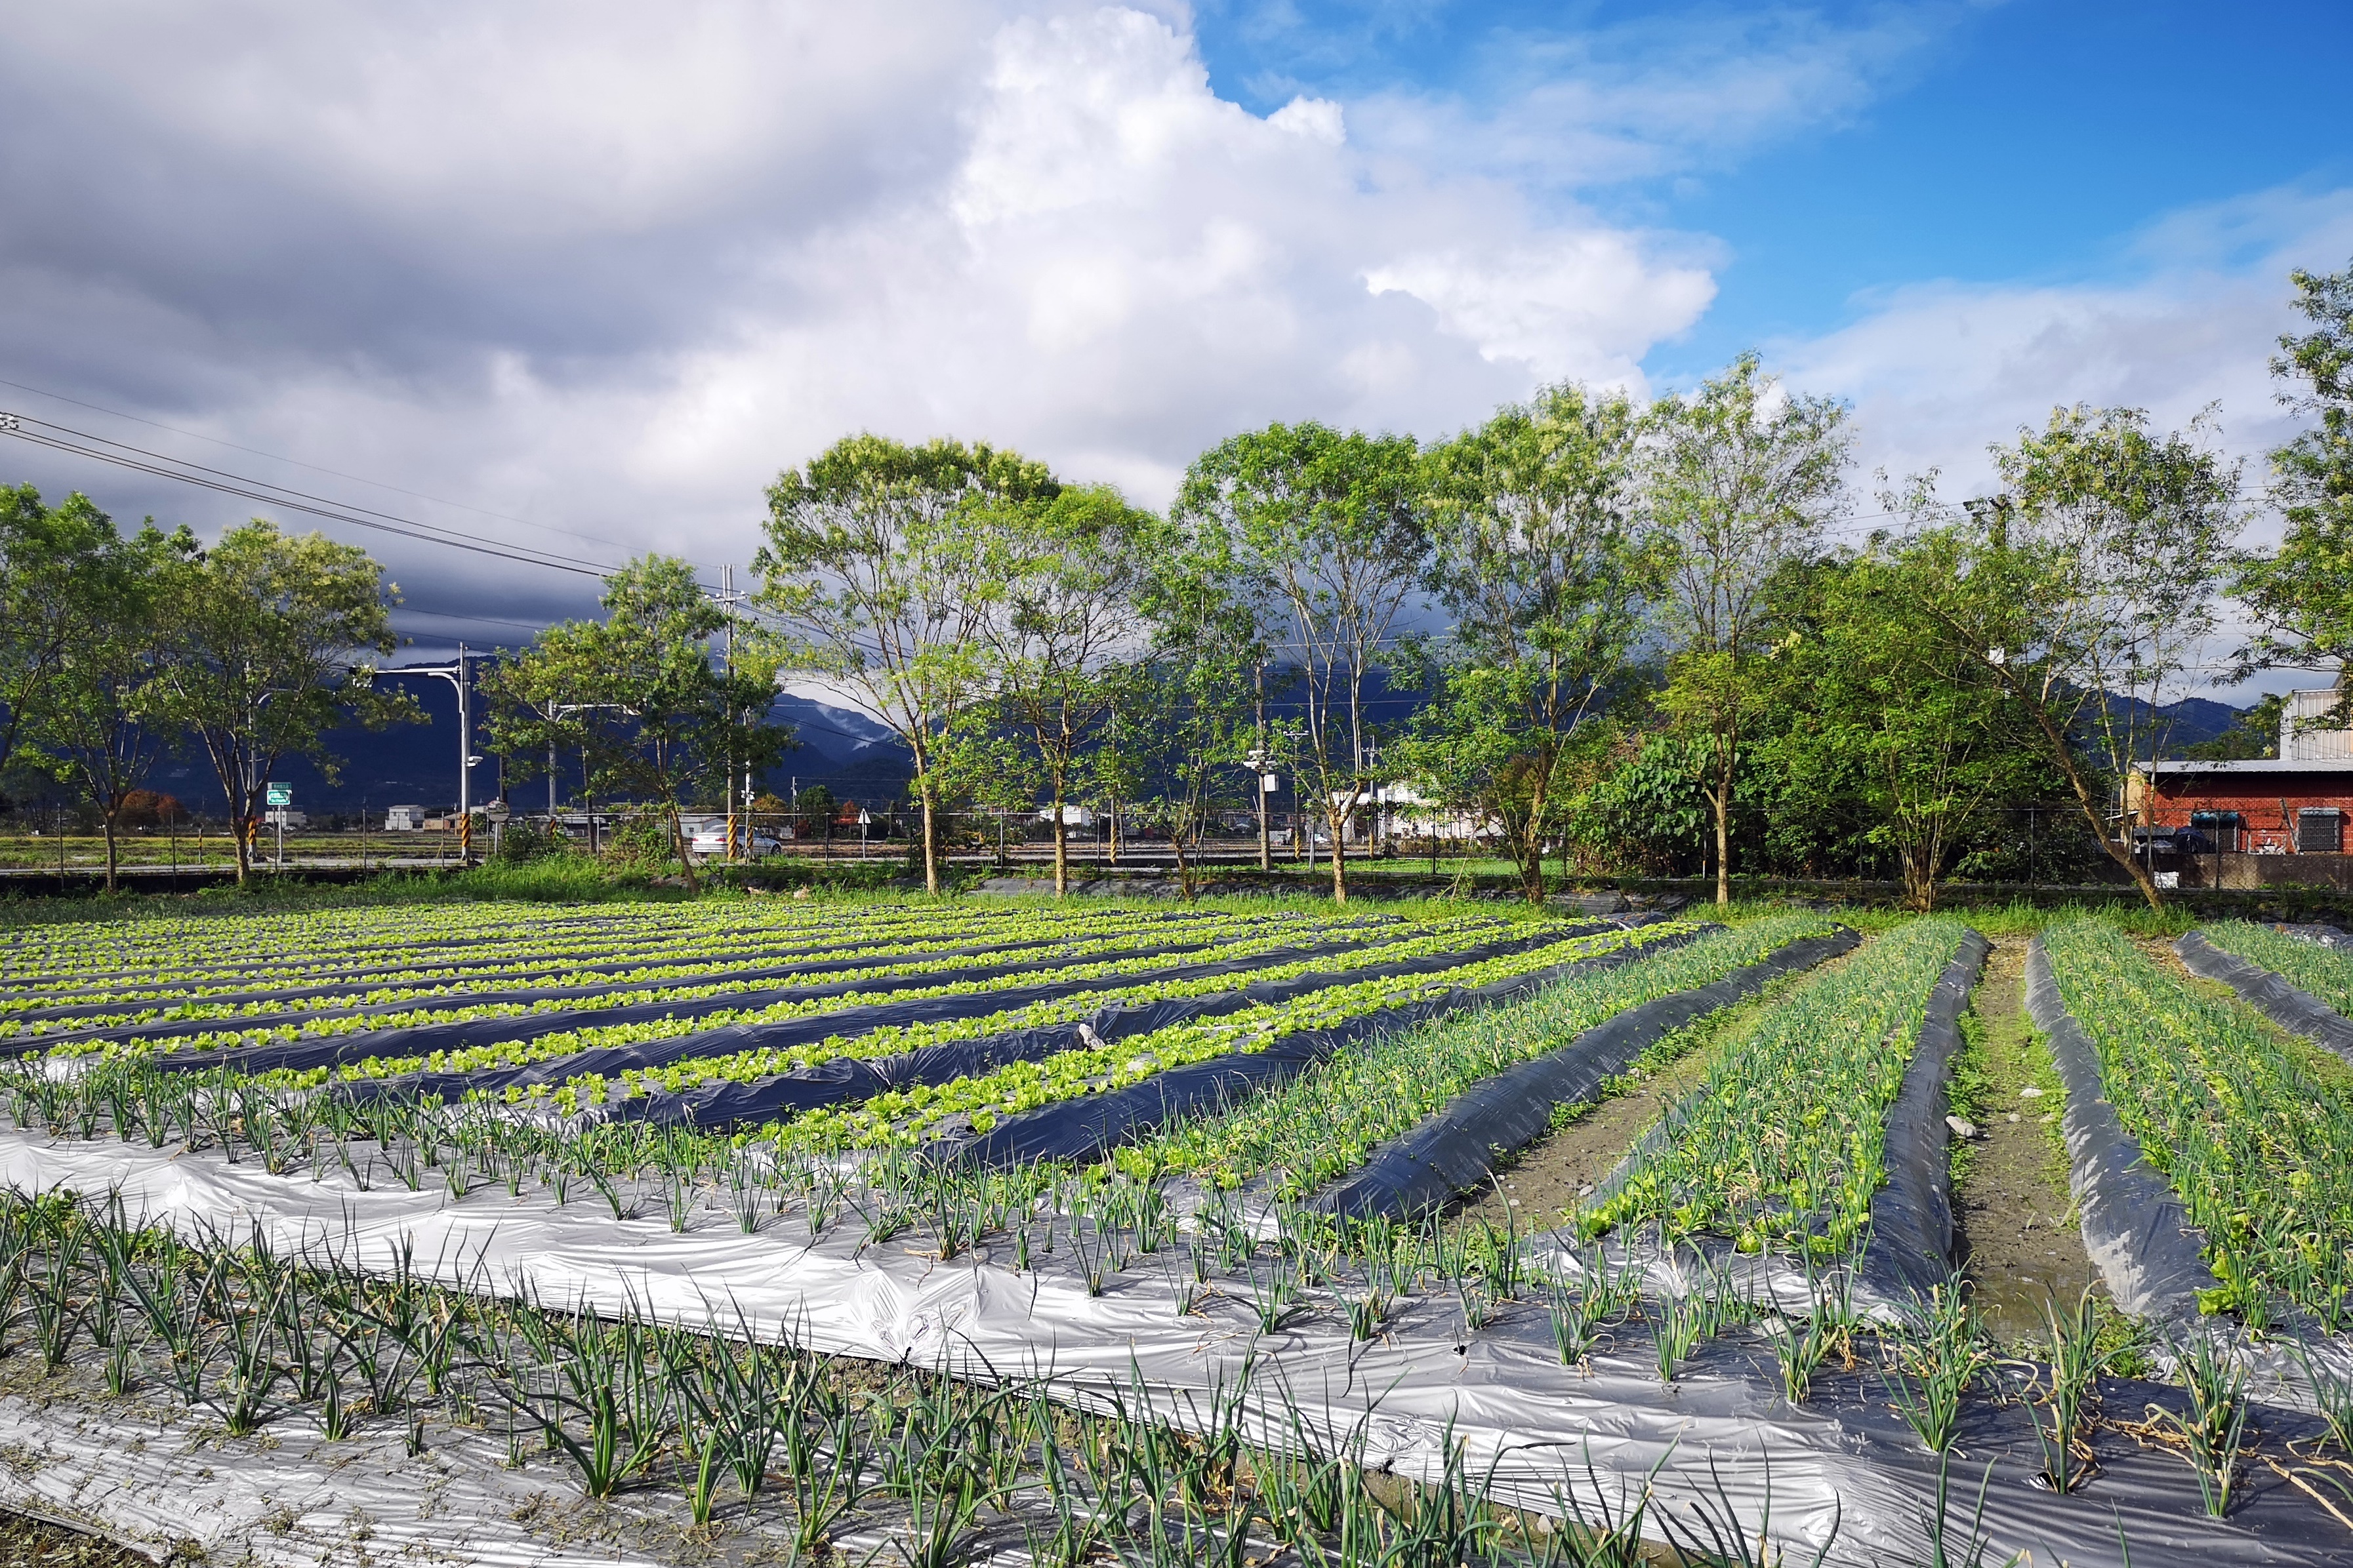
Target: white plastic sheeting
{"points": [[288, 1497], [1839, 1470]]}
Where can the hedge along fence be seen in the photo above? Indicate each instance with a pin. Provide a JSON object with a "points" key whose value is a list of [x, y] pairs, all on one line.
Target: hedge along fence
{"points": [[2253, 1131], [1784, 1144]]}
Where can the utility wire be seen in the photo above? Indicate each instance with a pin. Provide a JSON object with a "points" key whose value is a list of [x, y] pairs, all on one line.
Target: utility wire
{"points": [[62, 439], [297, 462]]}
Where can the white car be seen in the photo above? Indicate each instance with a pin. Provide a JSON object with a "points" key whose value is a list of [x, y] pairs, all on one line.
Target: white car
{"points": [[713, 841]]}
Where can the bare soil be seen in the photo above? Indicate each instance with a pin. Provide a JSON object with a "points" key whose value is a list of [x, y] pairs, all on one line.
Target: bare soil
{"points": [[2014, 1228]]}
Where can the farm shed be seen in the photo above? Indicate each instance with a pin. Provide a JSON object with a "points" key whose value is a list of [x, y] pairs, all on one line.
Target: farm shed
{"points": [[2251, 822]]}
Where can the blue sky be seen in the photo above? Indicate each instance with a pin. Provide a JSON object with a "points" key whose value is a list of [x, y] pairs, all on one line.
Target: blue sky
{"points": [[2027, 141]]}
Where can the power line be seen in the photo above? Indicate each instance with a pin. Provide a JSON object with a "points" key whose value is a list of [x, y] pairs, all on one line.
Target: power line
{"points": [[63, 438], [297, 462]]}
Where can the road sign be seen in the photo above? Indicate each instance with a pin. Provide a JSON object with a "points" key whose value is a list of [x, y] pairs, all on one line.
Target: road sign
{"points": [[498, 811], [278, 794]]}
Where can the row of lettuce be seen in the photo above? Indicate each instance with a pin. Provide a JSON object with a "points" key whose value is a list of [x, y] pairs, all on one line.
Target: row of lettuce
{"points": [[837, 958], [188, 985], [1781, 1146]]}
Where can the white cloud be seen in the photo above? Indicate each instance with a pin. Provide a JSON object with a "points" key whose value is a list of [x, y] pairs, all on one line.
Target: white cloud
{"points": [[611, 268], [1585, 106], [1938, 371]]}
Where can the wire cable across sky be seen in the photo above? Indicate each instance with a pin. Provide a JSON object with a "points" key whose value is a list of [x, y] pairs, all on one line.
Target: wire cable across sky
{"points": [[81, 443]]}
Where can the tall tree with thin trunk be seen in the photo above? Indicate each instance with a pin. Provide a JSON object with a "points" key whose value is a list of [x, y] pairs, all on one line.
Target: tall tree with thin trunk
{"points": [[879, 591], [47, 555], [1068, 622], [107, 719], [641, 697], [1532, 556], [2086, 592], [1333, 528], [2301, 596], [1739, 478], [263, 638]]}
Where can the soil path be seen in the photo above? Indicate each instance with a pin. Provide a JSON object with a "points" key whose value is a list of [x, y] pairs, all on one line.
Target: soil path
{"points": [[2013, 1228]]}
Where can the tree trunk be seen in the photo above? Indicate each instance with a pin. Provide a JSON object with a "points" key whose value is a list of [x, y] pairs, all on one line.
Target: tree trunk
{"points": [[685, 860], [1061, 846], [930, 841], [1722, 801], [1339, 860], [2120, 852], [1183, 866], [108, 819]]}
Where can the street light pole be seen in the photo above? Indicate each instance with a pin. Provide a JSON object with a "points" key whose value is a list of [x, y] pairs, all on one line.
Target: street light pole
{"points": [[455, 674]]}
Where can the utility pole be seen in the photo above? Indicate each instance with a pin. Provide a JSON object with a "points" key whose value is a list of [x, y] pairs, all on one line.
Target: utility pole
{"points": [[455, 674], [1259, 760], [728, 599]]}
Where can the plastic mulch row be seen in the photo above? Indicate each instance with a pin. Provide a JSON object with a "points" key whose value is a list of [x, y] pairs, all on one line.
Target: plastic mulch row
{"points": [[843, 1083], [1090, 1125], [1453, 1150], [514, 988], [2134, 1228], [2271, 995]]}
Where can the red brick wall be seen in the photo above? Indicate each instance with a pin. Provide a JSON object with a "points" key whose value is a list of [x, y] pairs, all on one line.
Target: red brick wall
{"points": [[2269, 804]]}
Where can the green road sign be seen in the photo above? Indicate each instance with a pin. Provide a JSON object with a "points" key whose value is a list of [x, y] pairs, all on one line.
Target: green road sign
{"points": [[278, 794]]}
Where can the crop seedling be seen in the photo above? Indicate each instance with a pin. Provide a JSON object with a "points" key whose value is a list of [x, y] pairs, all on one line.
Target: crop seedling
{"points": [[2215, 1424], [2073, 1370], [1937, 1358]]}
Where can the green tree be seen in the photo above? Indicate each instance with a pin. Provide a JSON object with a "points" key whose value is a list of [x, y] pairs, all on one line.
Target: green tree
{"points": [[873, 573], [2085, 592], [48, 557], [1196, 695], [2301, 596], [1929, 739], [1531, 557], [257, 639], [813, 811], [1330, 529], [107, 719], [641, 696], [1739, 479], [1068, 621]]}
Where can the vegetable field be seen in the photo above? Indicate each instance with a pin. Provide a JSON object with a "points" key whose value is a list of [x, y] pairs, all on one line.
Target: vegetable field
{"points": [[1090, 1233]]}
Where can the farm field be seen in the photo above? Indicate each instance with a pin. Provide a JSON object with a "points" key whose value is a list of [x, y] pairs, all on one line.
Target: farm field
{"points": [[1094, 1232]]}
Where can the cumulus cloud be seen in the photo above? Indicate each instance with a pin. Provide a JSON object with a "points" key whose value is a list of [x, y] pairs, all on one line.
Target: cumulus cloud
{"points": [[607, 270]]}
